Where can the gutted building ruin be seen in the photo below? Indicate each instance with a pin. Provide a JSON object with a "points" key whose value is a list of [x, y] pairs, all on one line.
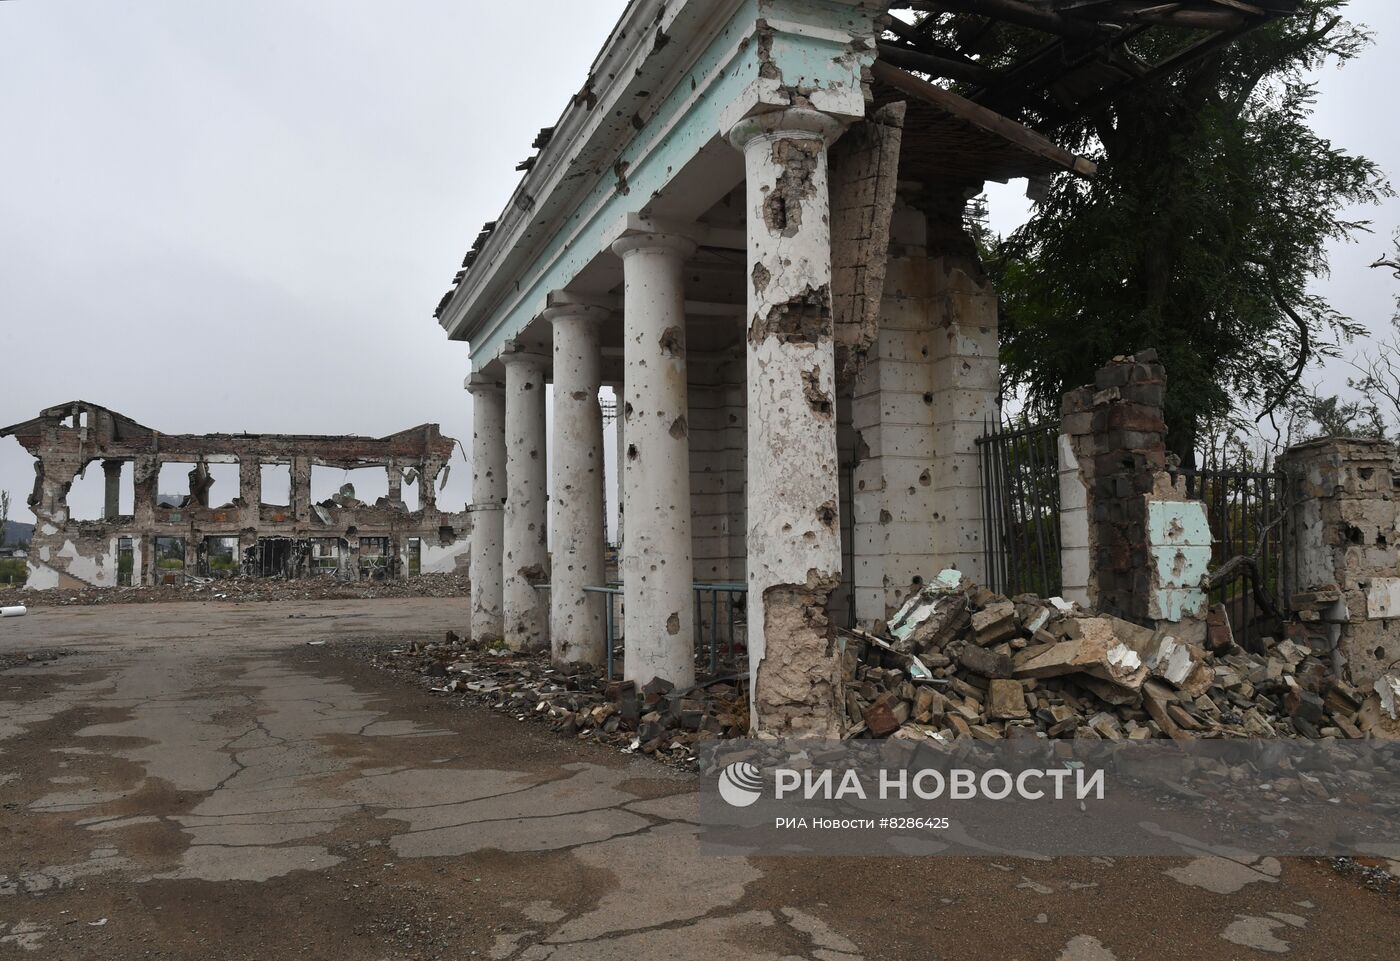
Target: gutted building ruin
{"points": [[270, 527], [749, 222]]}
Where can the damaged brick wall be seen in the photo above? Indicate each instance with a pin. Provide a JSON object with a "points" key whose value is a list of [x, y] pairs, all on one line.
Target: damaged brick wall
{"points": [[1148, 545], [118, 550], [864, 175], [1341, 545], [919, 404]]}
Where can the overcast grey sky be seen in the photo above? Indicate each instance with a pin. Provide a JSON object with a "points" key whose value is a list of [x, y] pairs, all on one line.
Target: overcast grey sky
{"points": [[228, 215]]}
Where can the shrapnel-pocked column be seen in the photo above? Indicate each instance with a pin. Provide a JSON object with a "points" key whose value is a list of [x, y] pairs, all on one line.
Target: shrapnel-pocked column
{"points": [[526, 561], [794, 530], [487, 509], [576, 627], [657, 563]]}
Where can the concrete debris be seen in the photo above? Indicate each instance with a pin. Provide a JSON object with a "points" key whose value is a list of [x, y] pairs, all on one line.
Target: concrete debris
{"points": [[239, 589], [1026, 667], [656, 719], [1388, 688]]}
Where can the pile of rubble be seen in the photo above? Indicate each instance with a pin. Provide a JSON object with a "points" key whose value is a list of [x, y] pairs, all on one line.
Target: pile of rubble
{"points": [[957, 661], [656, 719], [962, 661], [247, 589]]}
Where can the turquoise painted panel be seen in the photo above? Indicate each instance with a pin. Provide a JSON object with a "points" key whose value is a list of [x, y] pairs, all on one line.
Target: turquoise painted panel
{"points": [[1179, 539], [729, 76]]}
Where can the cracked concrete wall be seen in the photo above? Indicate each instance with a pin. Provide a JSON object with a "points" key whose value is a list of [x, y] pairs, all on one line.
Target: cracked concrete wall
{"points": [[1342, 551], [717, 470], [70, 438], [925, 395], [716, 391]]}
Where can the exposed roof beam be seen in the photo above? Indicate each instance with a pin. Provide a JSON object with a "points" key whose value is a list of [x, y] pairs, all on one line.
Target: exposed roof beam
{"points": [[911, 59], [982, 118], [1016, 12]]}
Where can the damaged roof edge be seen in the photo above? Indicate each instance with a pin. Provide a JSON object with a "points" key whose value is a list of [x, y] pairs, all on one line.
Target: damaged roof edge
{"points": [[58, 412], [623, 44]]}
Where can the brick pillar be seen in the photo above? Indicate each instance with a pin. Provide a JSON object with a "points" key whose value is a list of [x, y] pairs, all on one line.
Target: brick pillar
{"points": [[1342, 562], [1133, 545]]}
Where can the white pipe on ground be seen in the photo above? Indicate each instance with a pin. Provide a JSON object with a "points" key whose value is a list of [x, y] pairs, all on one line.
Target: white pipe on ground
{"points": [[13, 611]]}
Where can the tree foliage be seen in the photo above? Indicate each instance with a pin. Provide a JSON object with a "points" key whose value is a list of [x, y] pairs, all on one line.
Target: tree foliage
{"points": [[1200, 236]]}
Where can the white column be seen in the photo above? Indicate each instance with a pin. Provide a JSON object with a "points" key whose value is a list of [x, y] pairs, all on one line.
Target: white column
{"points": [[526, 560], [794, 530], [656, 564], [576, 627], [487, 509]]}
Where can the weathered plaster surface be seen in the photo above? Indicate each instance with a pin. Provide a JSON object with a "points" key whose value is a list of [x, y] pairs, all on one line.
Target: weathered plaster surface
{"points": [[657, 566], [794, 532], [488, 510], [576, 627], [526, 554]]}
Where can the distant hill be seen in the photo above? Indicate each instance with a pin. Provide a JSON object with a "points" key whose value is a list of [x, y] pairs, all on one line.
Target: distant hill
{"points": [[17, 533]]}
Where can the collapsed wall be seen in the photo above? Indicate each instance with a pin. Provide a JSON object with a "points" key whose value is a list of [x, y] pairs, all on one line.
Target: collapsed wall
{"points": [[168, 539]]}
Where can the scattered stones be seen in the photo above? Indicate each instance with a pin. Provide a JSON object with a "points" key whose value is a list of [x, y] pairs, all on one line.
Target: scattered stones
{"points": [[242, 588], [999, 667], [657, 719]]}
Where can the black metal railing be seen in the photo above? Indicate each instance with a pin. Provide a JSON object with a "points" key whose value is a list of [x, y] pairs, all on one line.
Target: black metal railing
{"points": [[1248, 518], [1020, 470], [715, 635]]}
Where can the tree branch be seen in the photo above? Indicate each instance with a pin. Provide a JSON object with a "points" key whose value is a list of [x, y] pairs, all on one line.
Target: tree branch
{"points": [[1304, 337]]}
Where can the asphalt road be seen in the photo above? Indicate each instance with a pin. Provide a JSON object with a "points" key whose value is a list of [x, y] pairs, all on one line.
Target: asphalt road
{"points": [[196, 781]]}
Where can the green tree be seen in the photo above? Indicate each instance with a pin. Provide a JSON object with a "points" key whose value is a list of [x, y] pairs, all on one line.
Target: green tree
{"points": [[1200, 236]]}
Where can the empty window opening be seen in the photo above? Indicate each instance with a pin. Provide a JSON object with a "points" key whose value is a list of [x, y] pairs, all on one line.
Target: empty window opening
{"points": [[169, 560], [276, 485], [126, 488], [374, 557], [219, 557], [185, 484], [338, 487], [415, 556], [454, 496], [126, 561], [273, 557], [325, 555], [87, 494], [410, 487]]}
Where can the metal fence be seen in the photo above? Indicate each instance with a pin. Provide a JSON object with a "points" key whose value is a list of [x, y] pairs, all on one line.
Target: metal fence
{"points": [[1248, 518], [1020, 471], [716, 620]]}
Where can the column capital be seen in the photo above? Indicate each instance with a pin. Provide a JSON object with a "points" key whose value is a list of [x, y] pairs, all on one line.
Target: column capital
{"points": [[790, 122], [481, 384], [656, 241], [591, 312], [525, 358]]}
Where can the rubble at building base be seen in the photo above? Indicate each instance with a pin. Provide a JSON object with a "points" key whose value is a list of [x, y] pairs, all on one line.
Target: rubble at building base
{"points": [[959, 661], [250, 589]]}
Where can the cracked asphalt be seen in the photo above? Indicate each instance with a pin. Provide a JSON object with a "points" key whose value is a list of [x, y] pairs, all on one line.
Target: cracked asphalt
{"points": [[192, 780]]}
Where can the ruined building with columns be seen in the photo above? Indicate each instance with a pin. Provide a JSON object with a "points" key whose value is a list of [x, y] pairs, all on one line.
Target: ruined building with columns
{"points": [[749, 223]]}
